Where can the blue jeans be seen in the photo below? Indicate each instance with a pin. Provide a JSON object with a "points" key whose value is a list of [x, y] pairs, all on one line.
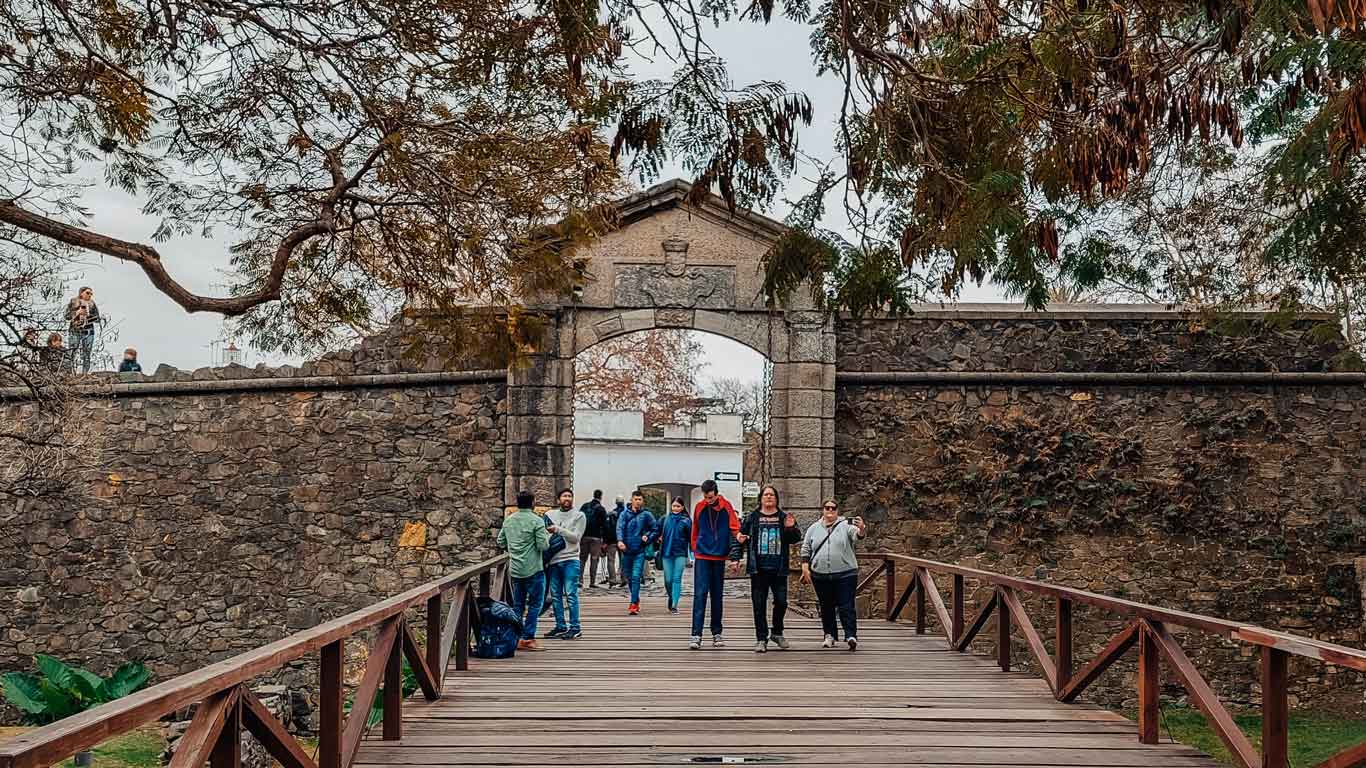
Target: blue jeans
{"points": [[673, 578], [528, 595], [709, 580], [563, 582], [633, 565], [83, 343]]}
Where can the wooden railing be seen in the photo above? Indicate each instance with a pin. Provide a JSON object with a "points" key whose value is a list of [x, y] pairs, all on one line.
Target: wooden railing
{"points": [[1147, 628], [227, 705]]}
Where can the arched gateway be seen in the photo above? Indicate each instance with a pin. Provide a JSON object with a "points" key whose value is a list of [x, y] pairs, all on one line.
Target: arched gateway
{"points": [[677, 265]]}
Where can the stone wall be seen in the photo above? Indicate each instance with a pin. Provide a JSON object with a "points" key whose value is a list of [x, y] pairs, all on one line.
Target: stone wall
{"points": [[227, 519], [1239, 501]]}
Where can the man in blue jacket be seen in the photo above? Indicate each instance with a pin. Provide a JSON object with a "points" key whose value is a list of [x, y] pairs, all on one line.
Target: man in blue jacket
{"points": [[635, 530]]}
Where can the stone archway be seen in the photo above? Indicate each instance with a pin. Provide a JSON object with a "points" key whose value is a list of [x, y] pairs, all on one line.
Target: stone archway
{"points": [[675, 265]]}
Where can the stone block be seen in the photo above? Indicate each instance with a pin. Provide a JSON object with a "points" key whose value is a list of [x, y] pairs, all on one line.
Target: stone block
{"points": [[808, 403], [797, 462], [807, 376], [637, 320], [811, 346], [674, 318], [804, 432], [539, 401], [802, 493], [777, 431], [544, 430], [531, 460]]}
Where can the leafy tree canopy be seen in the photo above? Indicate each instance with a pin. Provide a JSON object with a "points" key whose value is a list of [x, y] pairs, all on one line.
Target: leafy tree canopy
{"points": [[1075, 142], [365, 154]]}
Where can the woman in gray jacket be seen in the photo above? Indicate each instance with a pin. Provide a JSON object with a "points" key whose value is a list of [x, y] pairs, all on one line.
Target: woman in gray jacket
{"points": [[830, 565]]}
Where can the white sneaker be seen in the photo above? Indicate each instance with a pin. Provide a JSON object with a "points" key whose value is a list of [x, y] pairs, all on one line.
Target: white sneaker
{"points": [[717, 642], [694, 643], [828, 642], [781, 642], [853, 643], [761, 647]]}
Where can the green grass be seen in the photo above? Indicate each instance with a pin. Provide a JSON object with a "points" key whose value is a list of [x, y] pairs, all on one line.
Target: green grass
{"points": [[139, 749], [1313, 736]]}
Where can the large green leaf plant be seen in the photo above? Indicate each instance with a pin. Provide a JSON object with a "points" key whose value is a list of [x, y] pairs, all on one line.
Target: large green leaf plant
{"points": [[61, 690]]}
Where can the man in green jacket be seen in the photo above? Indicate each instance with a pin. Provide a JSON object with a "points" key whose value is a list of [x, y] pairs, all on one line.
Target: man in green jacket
{"points": [[524, 537]]}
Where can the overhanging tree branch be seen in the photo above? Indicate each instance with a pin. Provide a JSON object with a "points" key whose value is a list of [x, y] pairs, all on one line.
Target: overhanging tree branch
{"points": [[149, 259]]}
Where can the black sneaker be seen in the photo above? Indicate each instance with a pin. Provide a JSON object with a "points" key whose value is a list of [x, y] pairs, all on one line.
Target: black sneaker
{"points": [[571, 634], [556, 633]]}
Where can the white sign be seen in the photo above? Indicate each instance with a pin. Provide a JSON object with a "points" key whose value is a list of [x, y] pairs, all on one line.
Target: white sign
{"points": [[750, 489]]}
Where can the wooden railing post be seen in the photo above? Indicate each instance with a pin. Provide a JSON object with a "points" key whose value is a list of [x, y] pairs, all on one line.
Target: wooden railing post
{"points": [[227, 751], [890, 601], [330, 703], [393, 691], [957, 630], [1064, 644], [433, 649], [462, 633], [1275, 708], [1002, 632], [1149, 683], [919, 603]]}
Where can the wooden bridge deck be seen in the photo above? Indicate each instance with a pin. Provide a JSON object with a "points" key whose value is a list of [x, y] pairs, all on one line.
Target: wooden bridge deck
{"points": [[629, 693]]}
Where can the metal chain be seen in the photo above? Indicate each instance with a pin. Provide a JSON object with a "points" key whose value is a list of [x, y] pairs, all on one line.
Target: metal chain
{"points": [[766, 457]]}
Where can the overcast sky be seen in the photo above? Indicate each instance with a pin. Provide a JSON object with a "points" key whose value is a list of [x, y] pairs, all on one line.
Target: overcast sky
{"points": [[164, 333]]}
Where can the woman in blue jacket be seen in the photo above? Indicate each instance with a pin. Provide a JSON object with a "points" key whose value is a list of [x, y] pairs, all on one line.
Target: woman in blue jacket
{"points": [[675, 541]]}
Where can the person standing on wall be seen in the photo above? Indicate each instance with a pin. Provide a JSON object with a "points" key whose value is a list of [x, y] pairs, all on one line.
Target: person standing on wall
{"points": [[635, 530], [591, 550], [525, 537], [714, 523], [81, 316], [562, 573], [831, 567], [675, 542], [771, 533]]}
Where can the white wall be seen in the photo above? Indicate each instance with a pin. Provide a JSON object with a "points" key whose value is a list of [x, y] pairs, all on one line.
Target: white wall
{"points": [[619, 467], [626, 425]]}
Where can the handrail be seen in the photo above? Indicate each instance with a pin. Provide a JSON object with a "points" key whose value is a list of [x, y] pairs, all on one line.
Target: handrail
{"points": [[1148, 630], [228, 704]]}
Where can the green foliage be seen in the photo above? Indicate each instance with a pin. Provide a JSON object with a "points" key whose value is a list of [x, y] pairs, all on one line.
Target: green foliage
{"points": [[62, 690], [377, 707]]}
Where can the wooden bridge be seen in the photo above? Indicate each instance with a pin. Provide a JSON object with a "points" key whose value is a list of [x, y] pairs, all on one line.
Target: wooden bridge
{"points": [[629, 693]]}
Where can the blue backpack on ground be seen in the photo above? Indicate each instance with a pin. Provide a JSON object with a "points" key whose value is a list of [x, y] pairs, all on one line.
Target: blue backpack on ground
{"points": [[499, 629]]}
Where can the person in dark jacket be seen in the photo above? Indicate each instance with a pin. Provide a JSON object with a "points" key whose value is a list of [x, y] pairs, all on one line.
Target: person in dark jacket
{"points": [[591, 547], [130, 362], [771, 533], [675, 541], [635, 531], [54, 357], [714, 522], [610, 543]]}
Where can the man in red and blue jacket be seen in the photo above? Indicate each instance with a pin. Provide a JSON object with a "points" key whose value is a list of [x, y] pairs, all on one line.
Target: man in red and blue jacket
{"points": [[714, 522]]}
